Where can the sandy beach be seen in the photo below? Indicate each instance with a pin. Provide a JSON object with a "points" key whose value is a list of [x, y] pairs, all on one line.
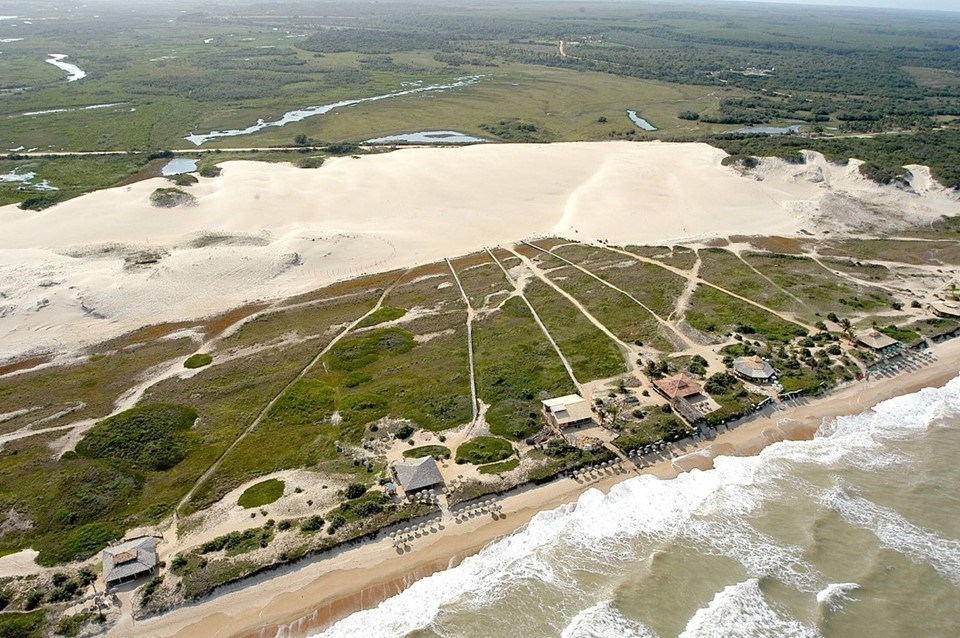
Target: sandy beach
{"points": [[97, 266], [321, 591]]}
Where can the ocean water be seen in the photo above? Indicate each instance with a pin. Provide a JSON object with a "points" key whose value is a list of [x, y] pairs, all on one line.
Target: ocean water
{"points": [[853, 534]]}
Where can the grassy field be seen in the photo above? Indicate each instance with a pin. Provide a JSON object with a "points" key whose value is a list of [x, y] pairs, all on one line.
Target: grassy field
{"points": [[714, 312], [515, 365], [676, 256], [725, 269], [821, 290], [87, 389], [895, 250], [591, 354], [655, 287], [617, 312]]}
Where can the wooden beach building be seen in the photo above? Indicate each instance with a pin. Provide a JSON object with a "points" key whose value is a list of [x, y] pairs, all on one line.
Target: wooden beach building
{"points": [[129, 560], [417, 474]]}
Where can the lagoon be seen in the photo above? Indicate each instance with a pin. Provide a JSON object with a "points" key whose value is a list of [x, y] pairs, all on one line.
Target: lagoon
{"points": [[769, 130], [301, 114], [178, 166], [639, 121], [427, 137]]}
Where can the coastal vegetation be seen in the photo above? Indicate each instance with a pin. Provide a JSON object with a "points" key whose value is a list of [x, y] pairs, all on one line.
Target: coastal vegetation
{"points": [[324, 382]]}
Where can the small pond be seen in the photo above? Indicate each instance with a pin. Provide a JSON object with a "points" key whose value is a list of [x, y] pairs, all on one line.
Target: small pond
{"points": [[639, 121], [179, 166]]}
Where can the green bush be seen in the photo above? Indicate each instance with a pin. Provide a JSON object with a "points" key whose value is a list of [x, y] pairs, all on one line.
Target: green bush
{"points": [[239, 542], [198, 360], [312, 524], [355, 490], [184, 179], [484, 449], [155, 437], [262, 493], [171, 198]]}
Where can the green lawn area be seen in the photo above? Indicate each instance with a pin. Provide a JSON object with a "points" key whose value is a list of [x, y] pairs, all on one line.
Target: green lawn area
{"points": [[481, 279], [502, 466], [17, 625], [655, 426], [484, 449], [262, 493]]}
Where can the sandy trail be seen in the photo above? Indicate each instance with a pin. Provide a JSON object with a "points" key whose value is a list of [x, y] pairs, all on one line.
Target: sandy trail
{"points": [[75, 273]]}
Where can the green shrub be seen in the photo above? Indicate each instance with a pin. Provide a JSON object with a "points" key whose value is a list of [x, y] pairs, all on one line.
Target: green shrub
{"points": [[198, 360], [210, 171], [312, 524], [355, 490], [155, 437], [184, 179], [315, 161], [484, 449], [404, 431], [262, 493], [171, 198]]}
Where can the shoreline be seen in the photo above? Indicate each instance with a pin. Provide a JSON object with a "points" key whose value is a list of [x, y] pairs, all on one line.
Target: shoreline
{"points": [[309, 598]]}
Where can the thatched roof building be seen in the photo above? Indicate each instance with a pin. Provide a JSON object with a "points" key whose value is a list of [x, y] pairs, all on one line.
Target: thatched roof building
{"points": [[417, 474], [753, 368], [677, 386], [129, 559]]}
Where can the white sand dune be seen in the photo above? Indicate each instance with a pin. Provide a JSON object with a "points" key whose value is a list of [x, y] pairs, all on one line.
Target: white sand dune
{"points": [[68, 274]]}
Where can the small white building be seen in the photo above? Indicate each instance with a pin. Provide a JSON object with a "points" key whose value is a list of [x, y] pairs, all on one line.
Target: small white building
{"points": [[568, 411]]}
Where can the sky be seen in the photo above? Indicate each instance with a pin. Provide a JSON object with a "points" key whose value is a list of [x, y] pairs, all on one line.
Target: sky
{"points": [[938, 5]]}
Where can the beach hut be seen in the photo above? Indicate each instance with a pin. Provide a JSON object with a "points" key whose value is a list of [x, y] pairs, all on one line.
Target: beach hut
{"points": [[129, 560], [877, 341], [753, 369], [418, 474], [567, 411], [679, 386]]}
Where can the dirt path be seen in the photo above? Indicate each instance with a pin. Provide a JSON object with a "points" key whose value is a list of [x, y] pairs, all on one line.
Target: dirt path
{"points": [[663, 322], [701, 280], [683, 299], [519, 291], [629, 351], [470, 316], [771, 281], [216, 464]]}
